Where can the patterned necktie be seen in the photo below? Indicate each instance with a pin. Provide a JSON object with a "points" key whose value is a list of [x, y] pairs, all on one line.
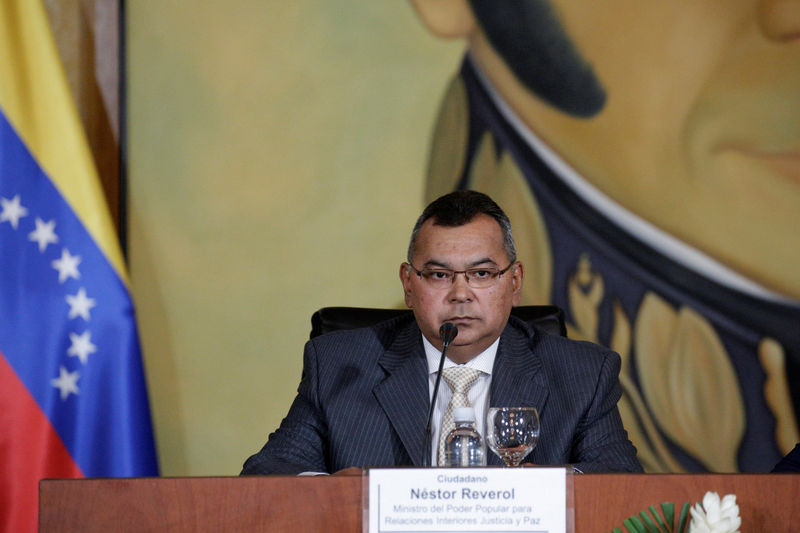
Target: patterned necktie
{"points": [[460, 379]]}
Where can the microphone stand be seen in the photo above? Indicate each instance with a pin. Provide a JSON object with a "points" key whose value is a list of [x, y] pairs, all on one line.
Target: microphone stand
{"points": [[447, 333]]}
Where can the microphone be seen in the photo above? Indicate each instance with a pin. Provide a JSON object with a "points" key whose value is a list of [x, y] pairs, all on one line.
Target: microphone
{"points": [[447, 333]]}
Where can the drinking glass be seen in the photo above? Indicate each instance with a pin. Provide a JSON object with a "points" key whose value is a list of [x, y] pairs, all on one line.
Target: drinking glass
{"points": [[512, 432]]}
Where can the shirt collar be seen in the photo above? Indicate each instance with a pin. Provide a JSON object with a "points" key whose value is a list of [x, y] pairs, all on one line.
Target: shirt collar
{"points": [[484, 361]]}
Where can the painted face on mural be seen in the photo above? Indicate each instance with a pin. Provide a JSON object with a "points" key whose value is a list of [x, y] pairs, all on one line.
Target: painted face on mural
{"points": [[699, 130]]}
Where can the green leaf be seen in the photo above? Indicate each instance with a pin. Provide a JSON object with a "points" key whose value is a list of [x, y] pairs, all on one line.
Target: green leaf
{"points": [[668, 508], [649, 524], [646, 524], [684, 523], [661, 526], [634, 525]]}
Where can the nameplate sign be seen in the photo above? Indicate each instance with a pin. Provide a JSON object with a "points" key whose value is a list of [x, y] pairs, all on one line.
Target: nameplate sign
{"points": [[441, 500]]}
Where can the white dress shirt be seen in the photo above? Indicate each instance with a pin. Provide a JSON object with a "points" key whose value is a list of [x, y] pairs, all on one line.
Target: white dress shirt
{"points": [[478, 394]]}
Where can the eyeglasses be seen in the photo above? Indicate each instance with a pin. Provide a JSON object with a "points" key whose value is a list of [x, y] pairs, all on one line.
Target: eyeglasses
{"points": [[477, 278]]}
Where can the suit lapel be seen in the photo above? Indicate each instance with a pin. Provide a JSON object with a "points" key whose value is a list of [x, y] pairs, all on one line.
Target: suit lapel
{"points": [[404, 394], [517, 377]]}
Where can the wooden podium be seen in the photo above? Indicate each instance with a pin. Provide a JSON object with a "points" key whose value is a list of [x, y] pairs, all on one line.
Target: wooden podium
{"points": [[767, 502]]}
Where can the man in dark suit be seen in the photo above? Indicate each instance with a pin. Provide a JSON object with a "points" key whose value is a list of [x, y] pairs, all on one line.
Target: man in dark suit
{"points": [[365, 394]]}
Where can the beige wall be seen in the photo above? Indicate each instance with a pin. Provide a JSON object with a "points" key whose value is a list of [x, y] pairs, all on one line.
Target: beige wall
{"points": [[276, 161]]}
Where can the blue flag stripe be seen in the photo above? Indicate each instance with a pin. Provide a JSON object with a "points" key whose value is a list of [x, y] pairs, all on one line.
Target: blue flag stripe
{"points": [[81, 364]]}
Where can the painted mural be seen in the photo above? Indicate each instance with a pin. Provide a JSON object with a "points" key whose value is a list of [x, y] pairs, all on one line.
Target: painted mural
{"points": [[648, 154]]}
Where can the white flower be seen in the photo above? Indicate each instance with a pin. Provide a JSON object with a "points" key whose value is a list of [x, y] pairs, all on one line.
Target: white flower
{"points": [[715, 516]]}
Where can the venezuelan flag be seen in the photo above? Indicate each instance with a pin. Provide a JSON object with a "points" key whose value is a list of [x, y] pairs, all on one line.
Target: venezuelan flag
{"points": [[73, 401]]}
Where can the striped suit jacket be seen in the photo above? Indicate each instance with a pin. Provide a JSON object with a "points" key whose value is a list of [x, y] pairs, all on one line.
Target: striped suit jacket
{"points": [[363, 401]]}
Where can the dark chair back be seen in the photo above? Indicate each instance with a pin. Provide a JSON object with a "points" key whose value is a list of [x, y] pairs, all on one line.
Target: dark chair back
{"points": [[547, 318]]}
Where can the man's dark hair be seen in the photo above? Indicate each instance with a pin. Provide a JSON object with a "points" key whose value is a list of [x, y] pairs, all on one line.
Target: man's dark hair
{"points": [[461, 207]]}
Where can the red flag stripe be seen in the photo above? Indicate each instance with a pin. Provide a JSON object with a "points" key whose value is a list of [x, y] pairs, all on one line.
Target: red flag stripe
{"points": [[29, 437]]}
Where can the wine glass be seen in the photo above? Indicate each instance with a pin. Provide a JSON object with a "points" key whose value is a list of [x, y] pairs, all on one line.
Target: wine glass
{"points": [[512, 432]]}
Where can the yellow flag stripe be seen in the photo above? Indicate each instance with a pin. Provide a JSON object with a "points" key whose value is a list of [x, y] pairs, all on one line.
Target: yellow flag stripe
{"points": [[35, 98]]}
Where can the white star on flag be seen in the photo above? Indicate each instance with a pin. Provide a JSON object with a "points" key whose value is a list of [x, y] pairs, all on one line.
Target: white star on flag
{"points": [[66, 382], [67, 266], [44, 233], [12, 211], [81, 346], [80, 304]]}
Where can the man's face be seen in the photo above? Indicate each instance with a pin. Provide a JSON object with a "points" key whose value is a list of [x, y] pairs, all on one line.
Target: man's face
{"points": [[700, 132], [480, 314]]}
